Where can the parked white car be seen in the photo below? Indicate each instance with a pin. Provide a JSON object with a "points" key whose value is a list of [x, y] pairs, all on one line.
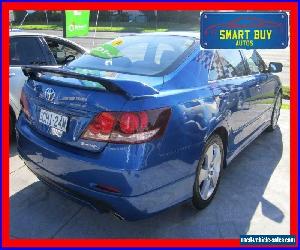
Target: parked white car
{"points": [[35, 49]]}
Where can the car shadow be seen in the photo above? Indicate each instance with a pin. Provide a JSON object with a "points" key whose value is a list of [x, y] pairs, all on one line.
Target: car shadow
{"points": [[38, 212]]}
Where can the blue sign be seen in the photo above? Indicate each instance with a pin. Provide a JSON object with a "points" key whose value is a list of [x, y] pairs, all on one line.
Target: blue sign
{"points": [[244, 30]]}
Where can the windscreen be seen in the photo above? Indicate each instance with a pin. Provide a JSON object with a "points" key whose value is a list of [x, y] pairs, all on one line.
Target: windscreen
{"points": [[141, 55]]}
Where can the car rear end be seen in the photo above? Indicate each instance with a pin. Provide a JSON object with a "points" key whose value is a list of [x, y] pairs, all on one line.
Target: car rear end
{"points": [[71, 138], [82, 134]]}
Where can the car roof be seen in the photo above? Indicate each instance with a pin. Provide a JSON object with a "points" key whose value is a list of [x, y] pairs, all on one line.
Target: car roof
{"points": [[15, 33], [24, 33]]}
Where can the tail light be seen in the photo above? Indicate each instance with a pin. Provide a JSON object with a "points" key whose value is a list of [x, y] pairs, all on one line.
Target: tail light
{"points": [[24, 104], [127, 127]]}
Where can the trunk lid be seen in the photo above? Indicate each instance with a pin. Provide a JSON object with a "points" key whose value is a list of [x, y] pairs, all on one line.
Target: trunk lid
{"points": [[61, 106]]}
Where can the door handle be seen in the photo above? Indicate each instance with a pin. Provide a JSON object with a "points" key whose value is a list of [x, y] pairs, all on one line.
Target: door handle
{"points": [[12, 74], [258, 87]]}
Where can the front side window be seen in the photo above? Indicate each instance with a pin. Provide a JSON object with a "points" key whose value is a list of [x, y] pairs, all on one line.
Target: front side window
{"points": [[255, 62], [233, 64], [26, 51], [141, 55], [62, 52]]}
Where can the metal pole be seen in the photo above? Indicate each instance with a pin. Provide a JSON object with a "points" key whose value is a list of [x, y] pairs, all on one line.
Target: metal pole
{"points": [[96, 25], [155, 13], [64, 23], [46, 17], [24, 19]]}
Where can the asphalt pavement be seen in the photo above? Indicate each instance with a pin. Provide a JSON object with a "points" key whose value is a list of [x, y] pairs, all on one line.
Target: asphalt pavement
{"points": [[253, 198]]}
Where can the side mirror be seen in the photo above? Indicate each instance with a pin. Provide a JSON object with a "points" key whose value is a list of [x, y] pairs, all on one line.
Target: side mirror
{"points": [[275, 67]]}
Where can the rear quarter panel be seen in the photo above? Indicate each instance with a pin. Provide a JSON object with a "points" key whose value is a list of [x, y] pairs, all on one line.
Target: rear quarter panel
{"points": [[194, 116]]}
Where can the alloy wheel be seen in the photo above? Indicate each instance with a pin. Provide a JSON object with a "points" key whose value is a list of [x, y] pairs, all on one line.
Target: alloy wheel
{"points": [[210, 171]]}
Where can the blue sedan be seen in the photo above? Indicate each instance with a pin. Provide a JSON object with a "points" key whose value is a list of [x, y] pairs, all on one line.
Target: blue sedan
{"points": [[145, 122]]}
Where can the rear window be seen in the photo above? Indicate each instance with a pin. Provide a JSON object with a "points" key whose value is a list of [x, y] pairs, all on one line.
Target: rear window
{"points": [[140, 55]]}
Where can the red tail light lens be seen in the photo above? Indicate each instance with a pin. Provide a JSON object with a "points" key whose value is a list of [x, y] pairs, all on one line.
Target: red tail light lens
{"points": [[102, 123], [24, 104], [129, 123], [143, 120], [128, 127]]}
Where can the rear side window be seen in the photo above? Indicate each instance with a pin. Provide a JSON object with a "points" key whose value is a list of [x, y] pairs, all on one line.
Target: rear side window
{"points": [[26, 51], [216, 69], [255, 62], [233, 64]]}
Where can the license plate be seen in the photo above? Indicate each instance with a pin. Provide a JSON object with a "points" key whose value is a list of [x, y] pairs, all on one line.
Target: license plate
{"points": [[53, 120]]}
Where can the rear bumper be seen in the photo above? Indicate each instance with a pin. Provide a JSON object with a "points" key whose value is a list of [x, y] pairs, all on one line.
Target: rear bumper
{"points": [[70, 175]]}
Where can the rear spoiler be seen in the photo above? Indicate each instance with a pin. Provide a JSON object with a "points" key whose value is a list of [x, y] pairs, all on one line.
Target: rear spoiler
{"points": [[130, 89]]}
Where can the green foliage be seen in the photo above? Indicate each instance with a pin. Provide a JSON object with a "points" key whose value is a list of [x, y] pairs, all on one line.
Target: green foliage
{"points": [[285, 106], [38, 17], [120, 27], [38, 27], [286, 92]]}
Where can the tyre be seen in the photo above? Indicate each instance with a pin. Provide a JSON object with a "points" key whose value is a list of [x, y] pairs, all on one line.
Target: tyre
{"points": [[208, 172], [12, 124], [275, 113], [10, 127]]}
